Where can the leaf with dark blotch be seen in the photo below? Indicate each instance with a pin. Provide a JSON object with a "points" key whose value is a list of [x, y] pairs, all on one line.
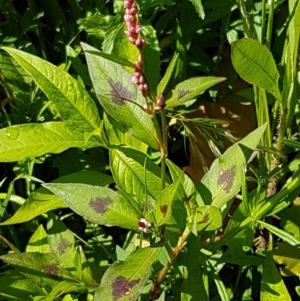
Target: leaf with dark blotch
{"points": [[182, 93], [164, 210], [62, 246], [122, 287], [51, 269], [119, 93], [226, 178], [100, 205]]}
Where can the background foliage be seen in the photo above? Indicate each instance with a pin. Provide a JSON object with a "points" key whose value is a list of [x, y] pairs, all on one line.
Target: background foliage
{"points": [[87, 160]]}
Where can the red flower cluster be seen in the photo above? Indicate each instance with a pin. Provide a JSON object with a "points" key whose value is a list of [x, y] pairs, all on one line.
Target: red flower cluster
{"points": [[133, 32]]}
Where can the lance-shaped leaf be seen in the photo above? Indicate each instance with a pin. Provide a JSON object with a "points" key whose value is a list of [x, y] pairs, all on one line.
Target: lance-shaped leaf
{"points": [[224, 179], [272, 285], [134, 172], [255, 64], [42, 200], [120, 97], [71, 100], [97, 204], [191, 88], [125, 280], [19, 142]]}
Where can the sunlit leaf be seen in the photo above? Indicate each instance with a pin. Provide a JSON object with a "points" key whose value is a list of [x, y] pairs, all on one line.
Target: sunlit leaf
{"points": [[19, 142], [125, 280], [120, 97], [97, 204], [73, 102], [255, 64]]}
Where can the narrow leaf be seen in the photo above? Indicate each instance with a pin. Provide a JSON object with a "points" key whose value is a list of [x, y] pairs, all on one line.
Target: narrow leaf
{"points": [[255, 64], [71, 100], [191, 88], [199, 8], [19, 142], [272, 285], [124, 281], [97, 204]]}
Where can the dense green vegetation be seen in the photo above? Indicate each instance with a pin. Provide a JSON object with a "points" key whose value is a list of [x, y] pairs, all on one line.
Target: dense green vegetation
{"points": [[149, 150]]}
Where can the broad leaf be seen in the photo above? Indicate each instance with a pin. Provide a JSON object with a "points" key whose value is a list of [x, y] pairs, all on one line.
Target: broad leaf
{"points": [[23, 141], [134, 172], [255, 64], [224, 179], [97, 204], [74, 104], [120, 97], [124, 281], [272, 285], [42, 201], [191, 88]]}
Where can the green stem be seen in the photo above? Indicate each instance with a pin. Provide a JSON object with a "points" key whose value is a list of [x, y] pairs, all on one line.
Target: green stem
{"points": [[263, 21], [164, 148], [270, 24]]}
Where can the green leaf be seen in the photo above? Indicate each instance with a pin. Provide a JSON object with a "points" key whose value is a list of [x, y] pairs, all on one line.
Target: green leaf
{"points": [[97, 204], [19, 142], [72, 101], [288, 257], [134, 172], [255, 64], [15, 286], [190, 89], [285, 236], [167, 76], [124, 281], [224, 178], [272, 285], [208, 218], [163, 206], [38, 241], [151, 57], [199, 8], [120, 97], [187, 189], [42, 201]]}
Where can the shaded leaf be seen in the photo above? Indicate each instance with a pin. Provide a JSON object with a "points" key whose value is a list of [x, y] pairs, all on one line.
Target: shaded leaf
{"points": [[272, 285], [97, 204], [255, 64], [288, 257]]}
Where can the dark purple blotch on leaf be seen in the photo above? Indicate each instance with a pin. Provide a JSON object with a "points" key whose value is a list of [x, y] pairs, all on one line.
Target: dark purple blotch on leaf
{"points": [[51, 269], [119, 93], [164, 209], [182, 93], [100, 205], [122, 287], [62, 246], [226, 178]]}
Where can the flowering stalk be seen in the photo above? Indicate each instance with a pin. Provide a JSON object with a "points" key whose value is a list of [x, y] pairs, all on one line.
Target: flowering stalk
{"points": [[134, 36]]}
